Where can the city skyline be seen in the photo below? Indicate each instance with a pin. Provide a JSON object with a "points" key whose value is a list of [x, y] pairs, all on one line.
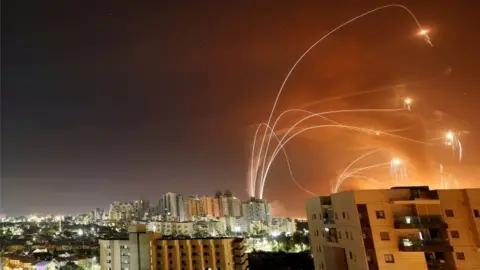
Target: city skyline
{"points": [[113, 102]]}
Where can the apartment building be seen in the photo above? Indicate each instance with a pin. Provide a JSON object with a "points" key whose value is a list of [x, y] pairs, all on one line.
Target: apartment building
{"points": [[129, 253], [399, 228], [198, 253]]}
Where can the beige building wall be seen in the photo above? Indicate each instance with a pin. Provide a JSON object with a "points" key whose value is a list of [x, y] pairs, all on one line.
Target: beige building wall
{"points": [[213, 253], [342, 242]]}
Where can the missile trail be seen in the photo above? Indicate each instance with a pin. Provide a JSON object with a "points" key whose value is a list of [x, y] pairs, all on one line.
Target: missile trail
{"points": [[272, 157], [311, 116], [320, 40]]}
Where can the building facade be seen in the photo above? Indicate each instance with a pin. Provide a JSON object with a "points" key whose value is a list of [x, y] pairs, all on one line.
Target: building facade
{"points": [[171, 228], [210, 206], [398, 228], [171, 206], [257, 210], [130, 253], [204, 253]]}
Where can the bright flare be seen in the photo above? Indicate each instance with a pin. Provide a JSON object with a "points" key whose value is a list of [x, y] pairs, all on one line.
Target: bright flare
{"points": [[423, 32]]}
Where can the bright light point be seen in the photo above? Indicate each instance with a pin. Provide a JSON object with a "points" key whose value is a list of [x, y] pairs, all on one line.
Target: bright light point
{"points": [[396, 161], [80, 232], [408, 101], [423, 32], [377, 133], [449, 135]]}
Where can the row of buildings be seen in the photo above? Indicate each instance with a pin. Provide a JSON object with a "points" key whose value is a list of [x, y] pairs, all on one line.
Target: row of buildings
{"points": [[223, 226], [398, 228], [149, 250], [177, 208]]}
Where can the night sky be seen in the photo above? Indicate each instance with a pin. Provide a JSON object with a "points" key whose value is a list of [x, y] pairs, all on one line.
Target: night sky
{"points": [[121, 100]]}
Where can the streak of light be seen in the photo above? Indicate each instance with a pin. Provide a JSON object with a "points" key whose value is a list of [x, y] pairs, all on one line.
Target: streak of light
{"points": [[340, 179], [272, 157], [359, 170], [320, 40], [288, 164], [262, 175]]}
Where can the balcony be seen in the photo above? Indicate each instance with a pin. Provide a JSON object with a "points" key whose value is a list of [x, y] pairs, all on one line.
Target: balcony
{"points": [[412, 222], [432, 245]]}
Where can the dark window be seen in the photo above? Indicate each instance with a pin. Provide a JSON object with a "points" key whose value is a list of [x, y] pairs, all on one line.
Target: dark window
{"points": [[319, 248], [455, 234], [183, 254], [339, 235], [351, 255], [217, 253], [343, 215], [389, 258], [449, 213], [194, 246], [218, 261], [460, 255], [336, 215], [346, 235], [217, 246], [181, 246], [194, 261], [380, 214], [316, 232], [206, 254], [384, 236], [205, 246], [314, 216], [348, 216], [169, 255], [194, 254], [206, 261], [476, 213], [170, 247]]}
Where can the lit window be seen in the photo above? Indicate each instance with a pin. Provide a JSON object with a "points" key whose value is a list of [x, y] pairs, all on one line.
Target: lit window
{"points": [[389, 258]]}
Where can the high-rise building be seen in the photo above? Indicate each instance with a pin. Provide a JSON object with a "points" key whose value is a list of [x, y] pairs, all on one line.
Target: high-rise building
{"points": [[141, 209], [193, 207], [210, 206], [398, 228], [257, 210], [229, 205], [130, 252], [97, 214], [121, 211], [172, 207], [203, 253]]}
